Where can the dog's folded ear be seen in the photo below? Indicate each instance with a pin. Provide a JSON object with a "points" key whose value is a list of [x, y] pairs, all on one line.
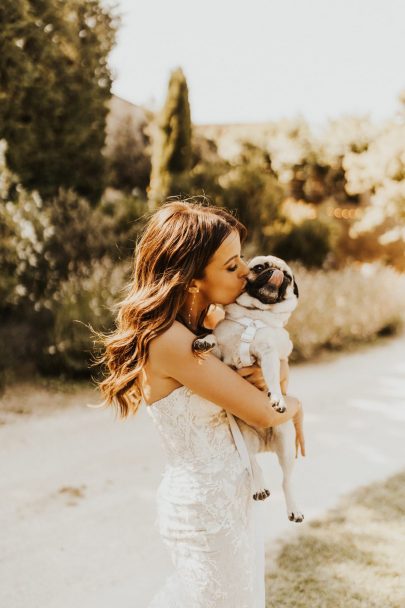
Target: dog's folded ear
{"points": [[296, 289]]}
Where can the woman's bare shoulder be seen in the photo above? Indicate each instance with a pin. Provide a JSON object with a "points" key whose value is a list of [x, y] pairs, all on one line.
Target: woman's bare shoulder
{"points": [[176, 334]]}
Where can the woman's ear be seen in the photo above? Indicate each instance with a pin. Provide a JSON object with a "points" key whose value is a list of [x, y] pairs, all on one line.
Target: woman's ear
{"points": [[193, 289]]}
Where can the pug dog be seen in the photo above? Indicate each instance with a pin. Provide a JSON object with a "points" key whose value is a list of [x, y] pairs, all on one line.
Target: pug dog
{"points": [[253, 331]]}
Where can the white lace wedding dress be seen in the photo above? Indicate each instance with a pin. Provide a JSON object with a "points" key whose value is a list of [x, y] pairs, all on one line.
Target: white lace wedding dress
{"points": [[205, 511]]}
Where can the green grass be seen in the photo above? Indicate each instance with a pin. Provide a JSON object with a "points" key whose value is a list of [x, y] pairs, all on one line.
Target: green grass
{"points": [[352, 558]]}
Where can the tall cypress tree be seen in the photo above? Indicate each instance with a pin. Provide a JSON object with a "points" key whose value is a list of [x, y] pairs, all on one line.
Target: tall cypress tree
{"points": [[54, 88], [171, 157]]}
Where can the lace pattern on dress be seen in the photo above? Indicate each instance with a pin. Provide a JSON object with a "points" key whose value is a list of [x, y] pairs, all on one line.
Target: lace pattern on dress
{"points": [[204, 508]]}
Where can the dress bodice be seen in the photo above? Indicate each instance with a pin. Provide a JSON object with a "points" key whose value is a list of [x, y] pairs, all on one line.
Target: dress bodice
{"points": [[195, 432]]}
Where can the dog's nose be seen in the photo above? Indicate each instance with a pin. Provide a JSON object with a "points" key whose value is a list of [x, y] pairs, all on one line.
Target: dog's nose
{"points": [[276, 278]]}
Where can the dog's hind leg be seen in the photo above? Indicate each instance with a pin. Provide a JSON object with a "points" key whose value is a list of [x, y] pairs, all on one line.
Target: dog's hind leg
{"points": [[284, 445], [253, 440]]}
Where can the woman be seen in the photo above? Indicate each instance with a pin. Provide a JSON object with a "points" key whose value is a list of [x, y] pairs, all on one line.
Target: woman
{"points": [[188, 259]]}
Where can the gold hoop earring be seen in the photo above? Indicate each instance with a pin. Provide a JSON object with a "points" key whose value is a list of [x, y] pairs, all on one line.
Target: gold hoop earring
{"points": [[192, 290]]}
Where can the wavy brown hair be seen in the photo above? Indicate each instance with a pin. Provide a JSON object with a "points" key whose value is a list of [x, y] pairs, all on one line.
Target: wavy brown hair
{"points": [[176, 245]]}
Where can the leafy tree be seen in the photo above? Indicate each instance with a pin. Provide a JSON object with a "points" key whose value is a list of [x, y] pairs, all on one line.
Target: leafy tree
{"points": [[54, 85], [380, 172], [62, 261], [171, 157], [311, 167], [252, 189]]}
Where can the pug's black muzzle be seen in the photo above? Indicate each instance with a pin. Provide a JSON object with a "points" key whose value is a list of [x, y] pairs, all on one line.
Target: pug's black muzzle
{"points": [[263, 278], [263, 290]]}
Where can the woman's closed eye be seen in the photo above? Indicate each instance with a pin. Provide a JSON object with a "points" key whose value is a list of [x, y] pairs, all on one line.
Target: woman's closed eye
{"points": [[233, 268]]}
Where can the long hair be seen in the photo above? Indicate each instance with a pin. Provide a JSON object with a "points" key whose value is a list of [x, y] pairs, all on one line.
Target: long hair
{"points": [[176, 245]]}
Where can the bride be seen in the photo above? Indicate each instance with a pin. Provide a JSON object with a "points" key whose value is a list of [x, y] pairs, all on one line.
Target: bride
{"points": [[187, 260]]}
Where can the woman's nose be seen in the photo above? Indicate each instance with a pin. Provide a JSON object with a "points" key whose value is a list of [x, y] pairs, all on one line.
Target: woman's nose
{"points": [[244, 270]]}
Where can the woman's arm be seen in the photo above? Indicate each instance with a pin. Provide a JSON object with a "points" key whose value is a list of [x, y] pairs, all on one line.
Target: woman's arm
{"points": [[171, 353]]}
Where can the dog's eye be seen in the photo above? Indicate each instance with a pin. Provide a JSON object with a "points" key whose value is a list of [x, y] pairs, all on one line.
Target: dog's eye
{"points": [[258, 267]]}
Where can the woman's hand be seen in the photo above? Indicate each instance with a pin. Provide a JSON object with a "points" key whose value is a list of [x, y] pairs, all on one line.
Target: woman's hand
{"points": [[298, 420], [284, 375], [253, 374]]}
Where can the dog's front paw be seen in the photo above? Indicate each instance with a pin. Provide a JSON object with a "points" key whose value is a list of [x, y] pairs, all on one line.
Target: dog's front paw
{"points": [[296, 516], [277, 402], [204, 345]]}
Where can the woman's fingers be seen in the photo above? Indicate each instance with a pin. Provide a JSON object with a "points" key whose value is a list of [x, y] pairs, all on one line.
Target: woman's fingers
{"points": [[299, 439], [299, 432], [244, 371], [253, 374], [257, 379], [284, 370], [299, 443]]}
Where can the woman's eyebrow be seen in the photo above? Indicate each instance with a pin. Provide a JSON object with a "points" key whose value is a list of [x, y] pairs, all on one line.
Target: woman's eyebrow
{"points": [[234, 256]]}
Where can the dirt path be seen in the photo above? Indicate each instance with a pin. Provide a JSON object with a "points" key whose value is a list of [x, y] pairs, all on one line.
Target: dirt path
{"points": [[78, 486]]}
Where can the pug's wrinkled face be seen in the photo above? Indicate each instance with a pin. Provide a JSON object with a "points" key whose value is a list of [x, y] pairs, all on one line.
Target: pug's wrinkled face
{"points": [[270, 280]]}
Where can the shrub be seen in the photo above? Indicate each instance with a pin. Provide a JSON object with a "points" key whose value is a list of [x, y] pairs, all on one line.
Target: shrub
{"points": [[43, 242], [81, 302], [24, 228], [308, 242], [338, 307]]}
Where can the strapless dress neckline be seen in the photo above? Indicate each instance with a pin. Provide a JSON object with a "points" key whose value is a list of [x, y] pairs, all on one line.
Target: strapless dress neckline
{"points": [[166, 396]]}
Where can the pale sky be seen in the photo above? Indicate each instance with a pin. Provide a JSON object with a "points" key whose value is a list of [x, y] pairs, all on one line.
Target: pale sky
{"points": [[261, 60]]}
